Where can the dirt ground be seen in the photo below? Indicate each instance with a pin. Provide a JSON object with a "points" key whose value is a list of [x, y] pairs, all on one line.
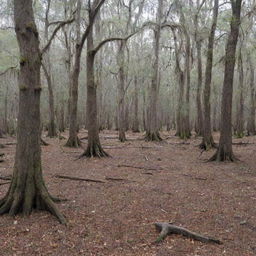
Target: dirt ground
{"points": [[173, 184]]}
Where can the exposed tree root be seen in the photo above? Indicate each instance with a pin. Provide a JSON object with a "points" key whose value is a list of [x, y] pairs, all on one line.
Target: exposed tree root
{"points": [[207, 144], [221, 155], [44, 143], [166, 229], [153, 136], [77, 178], [23, 201], [94, 150], [73, 142]]}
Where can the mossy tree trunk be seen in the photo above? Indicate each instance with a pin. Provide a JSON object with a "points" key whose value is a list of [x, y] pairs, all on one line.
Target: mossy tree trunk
{"points": [[152, 132], [27, 189], [224, 151]]}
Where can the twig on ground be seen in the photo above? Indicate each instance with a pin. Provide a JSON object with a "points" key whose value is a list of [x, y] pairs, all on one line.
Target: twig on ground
{"points": [[193, 177], [141, 167], [77, 178]]}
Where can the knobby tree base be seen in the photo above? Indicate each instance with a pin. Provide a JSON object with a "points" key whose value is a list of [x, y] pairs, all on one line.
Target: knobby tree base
{"points": [[73, 142], [94, 150], [222, 155], [25, 195], [153, 136], [207, 144]]}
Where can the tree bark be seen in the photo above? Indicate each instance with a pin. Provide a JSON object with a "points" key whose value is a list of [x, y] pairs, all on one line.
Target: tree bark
{"points": [[121, 92], [73, 140], [224, 151], [251, 120], [199, 117], [94, 148], [135, 127], [52, 132], [239, 126], [152, 132], [208, 141], [27, 189]]}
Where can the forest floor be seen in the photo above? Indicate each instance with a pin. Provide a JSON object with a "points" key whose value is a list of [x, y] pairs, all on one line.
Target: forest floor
{"points": [[175, 184]]}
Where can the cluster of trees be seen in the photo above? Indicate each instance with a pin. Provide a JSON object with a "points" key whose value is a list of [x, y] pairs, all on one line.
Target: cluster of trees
{"points": [[135, 64]]}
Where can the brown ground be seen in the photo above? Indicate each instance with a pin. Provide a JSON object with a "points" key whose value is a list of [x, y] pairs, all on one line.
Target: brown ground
{"points": [[116, 217]]}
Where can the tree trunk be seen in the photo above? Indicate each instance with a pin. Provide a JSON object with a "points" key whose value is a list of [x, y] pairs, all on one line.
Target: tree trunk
{"points": [[121, 92], [73, 140], [199, 117], [152, 132], [94, 148], [135, 127], [208, 141], [224, 151], [251, 120], [239, 127], [27, 189], [51, 126], [52, 132]]}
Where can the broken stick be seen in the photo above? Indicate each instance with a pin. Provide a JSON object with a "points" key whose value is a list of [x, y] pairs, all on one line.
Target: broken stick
{"points": [[77, 178], [140, 167], [166, 229]]}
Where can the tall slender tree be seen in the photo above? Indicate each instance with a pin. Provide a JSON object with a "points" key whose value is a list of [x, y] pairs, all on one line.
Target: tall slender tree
{"points": [[224, 151], [208, 141]]}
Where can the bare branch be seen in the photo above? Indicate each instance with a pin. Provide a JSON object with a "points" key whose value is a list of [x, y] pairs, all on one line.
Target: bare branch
{"points": [[97, 48], [46, 47]]}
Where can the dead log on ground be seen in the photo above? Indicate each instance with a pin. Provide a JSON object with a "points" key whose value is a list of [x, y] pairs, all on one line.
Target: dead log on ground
{"points": [[166, 229], [77, 178]]}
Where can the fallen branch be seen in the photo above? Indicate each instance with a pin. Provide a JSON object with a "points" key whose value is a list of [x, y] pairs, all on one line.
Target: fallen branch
{"points": [[139, 167], [193, 177], [166, 229], [77, 178]]}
